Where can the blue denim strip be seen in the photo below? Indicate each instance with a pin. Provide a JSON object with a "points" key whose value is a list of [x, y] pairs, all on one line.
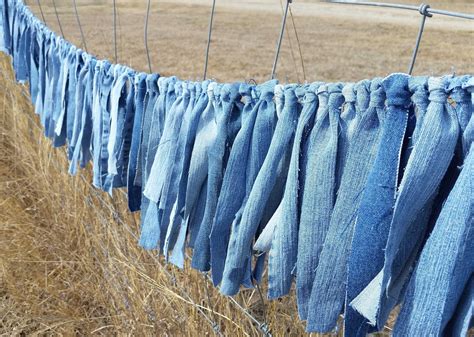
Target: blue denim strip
{"points": [[159, 92], [5, 30], [228, 123], [198, 167], [428, 162], [239, 251], [376, 207], [190, 130], [282, 257], [171, 186], [234, 187], [430, 301], [135, 191], [261, 139], [318, 190], [468, 134], [348, 115], [462, 321], [326, 301]]}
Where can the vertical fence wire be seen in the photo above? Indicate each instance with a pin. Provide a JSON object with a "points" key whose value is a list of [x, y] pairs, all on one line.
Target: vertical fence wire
{"points": [[280, 38], [57, 18], [115, 30], [80, 25], [41, 11], [424, 13], [146, 35], [299, 45], [209, 34]]}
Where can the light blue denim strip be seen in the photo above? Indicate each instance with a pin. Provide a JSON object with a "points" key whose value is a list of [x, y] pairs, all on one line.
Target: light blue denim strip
{"points": [[239, 251], [326, 301], [431, 301], [468, 135], [205, 136], [233, 185], [319, 192], [282, 256], [228, 122], [192, 122], [170, 187], [155, 115]]}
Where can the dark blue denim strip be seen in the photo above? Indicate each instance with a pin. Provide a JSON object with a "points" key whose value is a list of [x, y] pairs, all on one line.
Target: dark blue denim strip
{"points": [[376, 207]]}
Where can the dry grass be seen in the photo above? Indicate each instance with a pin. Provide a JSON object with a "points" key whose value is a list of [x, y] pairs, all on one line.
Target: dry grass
{"points": [[70, 263], [69, 258]]}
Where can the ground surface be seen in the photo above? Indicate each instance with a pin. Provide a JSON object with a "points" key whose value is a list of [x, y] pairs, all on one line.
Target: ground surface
{"points": [[69, 260]]}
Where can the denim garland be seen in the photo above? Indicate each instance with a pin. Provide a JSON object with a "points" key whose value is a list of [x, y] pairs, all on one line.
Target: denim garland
{"points": [[221, 185]]}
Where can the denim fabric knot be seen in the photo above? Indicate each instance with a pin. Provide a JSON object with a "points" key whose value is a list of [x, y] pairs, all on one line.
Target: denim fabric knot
{"points": [[311, 93], [362, 90], [310, 96], [469, 84], [140, 80], [377, 94], [162, 84], [210, 90], [255, 94], [201, 87], [266, 90], [396, 90], [336, 99], [152, 83], [438, 88], [458, 93], [185, 87], [418, 86], [245, 90], [230, 92], [323, 96], [279, 99], [300, 92], [290, 96]]}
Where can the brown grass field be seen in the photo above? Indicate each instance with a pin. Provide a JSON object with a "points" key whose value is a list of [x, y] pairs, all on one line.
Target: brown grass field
{"points": [[69, 259]]}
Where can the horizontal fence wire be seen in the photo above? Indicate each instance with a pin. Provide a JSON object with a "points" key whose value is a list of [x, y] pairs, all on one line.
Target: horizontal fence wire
{"points": [[403, 6]]}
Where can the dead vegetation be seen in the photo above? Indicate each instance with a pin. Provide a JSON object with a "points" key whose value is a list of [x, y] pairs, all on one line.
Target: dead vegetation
{"points": [[69, 259]]}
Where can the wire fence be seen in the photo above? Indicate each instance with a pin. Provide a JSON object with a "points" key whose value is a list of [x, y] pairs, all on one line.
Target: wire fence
{"points": [[208, 312]]}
